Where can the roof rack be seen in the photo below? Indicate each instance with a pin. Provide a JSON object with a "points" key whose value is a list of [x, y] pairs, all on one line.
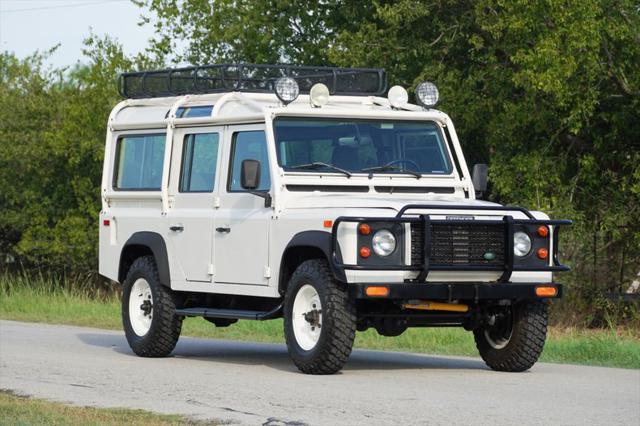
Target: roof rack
{"points": [[249, 78]]}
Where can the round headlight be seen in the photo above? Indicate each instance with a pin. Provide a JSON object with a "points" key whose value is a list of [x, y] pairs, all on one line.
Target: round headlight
{"points": [[319, 95], [427, 94], [286, 89], [521, 244], [383, 243], [398, 96]]}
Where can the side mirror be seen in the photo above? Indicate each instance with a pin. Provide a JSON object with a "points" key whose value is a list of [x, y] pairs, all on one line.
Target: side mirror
{"points": [[250, 174], [479, 178], [250, 180]]}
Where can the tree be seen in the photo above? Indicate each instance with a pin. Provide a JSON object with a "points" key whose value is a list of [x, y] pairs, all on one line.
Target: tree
{"points": [[51, 150], [547, 92]]}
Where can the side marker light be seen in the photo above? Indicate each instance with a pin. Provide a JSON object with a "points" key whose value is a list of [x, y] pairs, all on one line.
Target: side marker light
{"points": [[377, 291], [546, 291]]}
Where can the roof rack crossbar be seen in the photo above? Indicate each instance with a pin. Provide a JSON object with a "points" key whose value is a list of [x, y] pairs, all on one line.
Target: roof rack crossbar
{"points": [[258, 78]]}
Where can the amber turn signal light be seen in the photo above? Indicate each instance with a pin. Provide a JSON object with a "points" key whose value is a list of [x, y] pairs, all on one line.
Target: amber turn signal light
{"points": [[543, 253], [365, 251], [327, 223], [543, 231], [545, 291], [377, 291], [364, 229]]}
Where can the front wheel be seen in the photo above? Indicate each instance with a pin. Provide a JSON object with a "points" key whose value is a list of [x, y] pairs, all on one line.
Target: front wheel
{"points": [[514, 339], [319, 320], [148, 311]]}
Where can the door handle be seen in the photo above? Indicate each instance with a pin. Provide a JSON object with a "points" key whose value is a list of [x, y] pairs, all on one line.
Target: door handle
{"points": [[223, 230], [177, 228]]}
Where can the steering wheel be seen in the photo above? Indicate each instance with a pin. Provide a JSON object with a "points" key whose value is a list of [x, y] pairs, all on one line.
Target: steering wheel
{"points": [[405, 161]]}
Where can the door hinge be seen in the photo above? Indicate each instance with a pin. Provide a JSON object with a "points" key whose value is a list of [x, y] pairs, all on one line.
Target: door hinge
{"points": [[216, 202], [211, 270], [267, 272]]}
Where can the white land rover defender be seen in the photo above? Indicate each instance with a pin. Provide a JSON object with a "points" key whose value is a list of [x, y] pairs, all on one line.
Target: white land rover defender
{"points": [[265, 191]]}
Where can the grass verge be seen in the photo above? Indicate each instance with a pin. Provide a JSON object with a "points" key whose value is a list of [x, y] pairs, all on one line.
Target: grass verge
{"points": [[42, 302], [21, 410]]}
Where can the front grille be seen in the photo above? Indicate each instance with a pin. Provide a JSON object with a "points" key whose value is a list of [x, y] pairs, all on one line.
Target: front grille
{"points": [[465, 244]]}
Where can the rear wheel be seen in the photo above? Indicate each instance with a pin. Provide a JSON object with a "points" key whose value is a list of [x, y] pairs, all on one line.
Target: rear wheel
{"points": [[319, 320], [148, 311], [514, 339]]}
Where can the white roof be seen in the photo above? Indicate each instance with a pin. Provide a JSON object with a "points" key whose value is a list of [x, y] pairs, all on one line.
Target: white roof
{"points": [[242, 107]]}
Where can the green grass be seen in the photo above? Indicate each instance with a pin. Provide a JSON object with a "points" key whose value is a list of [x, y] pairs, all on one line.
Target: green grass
{"points": [[23, 411], [40, 301]]}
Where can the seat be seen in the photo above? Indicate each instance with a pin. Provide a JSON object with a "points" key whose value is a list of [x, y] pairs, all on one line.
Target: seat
{"points": [[346, 157]]}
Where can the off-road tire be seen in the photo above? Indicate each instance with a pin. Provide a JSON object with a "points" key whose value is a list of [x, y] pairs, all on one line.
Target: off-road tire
{"points": [[165, 327], [529, 332], [338, 330]]}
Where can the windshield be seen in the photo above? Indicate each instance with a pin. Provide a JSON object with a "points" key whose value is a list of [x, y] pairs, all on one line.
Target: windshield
{"points": [[366, 146]]}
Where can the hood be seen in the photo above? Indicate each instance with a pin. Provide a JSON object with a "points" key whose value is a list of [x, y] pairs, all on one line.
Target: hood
{"points": [[351, 200]]}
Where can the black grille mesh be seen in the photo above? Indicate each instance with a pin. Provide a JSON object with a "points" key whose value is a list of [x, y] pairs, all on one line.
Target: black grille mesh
{"points": [[459, 244]]}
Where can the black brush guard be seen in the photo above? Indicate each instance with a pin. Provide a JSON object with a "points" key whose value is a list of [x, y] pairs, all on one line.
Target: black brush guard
{"points": [[508, 222]]}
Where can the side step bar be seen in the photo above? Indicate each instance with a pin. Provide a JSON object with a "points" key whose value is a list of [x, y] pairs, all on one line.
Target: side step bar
{"points": [[231, 313]]}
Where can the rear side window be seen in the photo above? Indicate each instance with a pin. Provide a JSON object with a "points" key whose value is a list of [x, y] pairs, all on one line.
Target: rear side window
{"points": [[250, 145], [199, 161], [139, 160]]}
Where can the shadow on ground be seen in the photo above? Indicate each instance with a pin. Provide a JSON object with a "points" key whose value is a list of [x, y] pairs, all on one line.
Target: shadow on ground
{"points": [[275, 355]]}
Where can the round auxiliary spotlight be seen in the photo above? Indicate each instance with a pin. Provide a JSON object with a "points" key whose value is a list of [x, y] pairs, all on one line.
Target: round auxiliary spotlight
{"points": [[286, 89], [319, 95], [398, 96], [427, 94]]}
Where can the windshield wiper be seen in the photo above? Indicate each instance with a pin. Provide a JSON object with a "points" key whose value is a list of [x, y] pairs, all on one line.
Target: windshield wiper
{"points": [[318, 164], [389, 167]]}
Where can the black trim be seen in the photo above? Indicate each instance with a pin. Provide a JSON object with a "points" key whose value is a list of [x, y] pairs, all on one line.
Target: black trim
{"points": [[425, 222], [394, 258], [445, 291], [327, 188], [508, 244], [414, 189], [156, 244], [231, 313], [316, 239]]}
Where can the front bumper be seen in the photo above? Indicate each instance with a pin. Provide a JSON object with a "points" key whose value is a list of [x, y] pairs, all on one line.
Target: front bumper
{"points": [[508, 225], [468, 291]]}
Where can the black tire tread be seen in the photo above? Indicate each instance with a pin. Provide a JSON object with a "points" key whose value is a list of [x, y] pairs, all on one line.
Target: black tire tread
{"points": [[335, 351], [527, 341], [166, 326]]}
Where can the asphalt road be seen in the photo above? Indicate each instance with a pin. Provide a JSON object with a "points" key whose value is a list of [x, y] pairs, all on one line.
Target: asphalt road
{"points": [[256, 384]]}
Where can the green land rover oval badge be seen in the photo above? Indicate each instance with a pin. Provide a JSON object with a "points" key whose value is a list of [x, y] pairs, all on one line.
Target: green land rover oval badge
{"points": [[489, 255]]}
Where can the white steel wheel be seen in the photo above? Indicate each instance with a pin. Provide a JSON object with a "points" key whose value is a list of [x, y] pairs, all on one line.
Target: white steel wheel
{"points": [[307, 317], [140, 307]]}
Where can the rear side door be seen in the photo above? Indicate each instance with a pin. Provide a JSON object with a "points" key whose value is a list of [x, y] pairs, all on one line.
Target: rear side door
{"points": [[242, 222], [193, 185]]}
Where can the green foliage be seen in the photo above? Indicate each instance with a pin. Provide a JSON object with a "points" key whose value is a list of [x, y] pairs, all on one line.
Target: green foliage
{"points": [[53, 123], [547, 92]]}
